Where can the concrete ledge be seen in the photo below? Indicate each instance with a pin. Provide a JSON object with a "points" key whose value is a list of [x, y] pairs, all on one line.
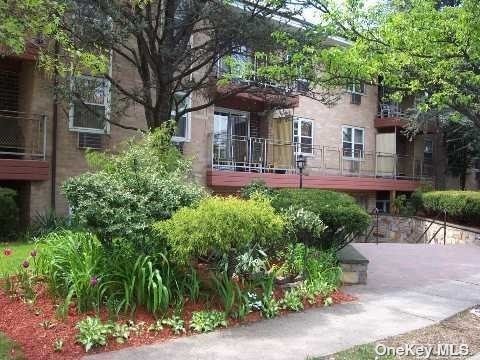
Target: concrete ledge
{"points": [[354, 266]]}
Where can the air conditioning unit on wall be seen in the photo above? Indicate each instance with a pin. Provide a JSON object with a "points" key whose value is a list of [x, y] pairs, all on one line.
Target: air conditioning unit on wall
{"points": [[91, 141]]}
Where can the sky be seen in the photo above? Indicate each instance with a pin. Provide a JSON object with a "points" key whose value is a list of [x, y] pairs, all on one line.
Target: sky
{"points": [[312, 15]]}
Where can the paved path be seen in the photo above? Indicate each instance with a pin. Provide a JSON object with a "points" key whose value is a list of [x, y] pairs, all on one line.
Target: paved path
{"points": [[409, 286]]}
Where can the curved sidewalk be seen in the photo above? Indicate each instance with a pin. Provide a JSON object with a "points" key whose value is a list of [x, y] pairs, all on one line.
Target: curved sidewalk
{"points": [[409, 287]]}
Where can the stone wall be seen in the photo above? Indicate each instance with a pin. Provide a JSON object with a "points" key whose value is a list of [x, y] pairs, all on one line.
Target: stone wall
{"points": [[398, 229]]}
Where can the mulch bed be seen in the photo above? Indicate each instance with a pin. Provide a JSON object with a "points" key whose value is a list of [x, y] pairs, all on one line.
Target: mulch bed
{"points": [[35, 327]]}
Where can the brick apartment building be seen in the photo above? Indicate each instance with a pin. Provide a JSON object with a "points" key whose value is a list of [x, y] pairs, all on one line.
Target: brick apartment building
{"points": [[355, 146]]}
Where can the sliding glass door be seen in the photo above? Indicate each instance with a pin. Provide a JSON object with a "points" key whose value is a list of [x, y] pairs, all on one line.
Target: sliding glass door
{"points": [[230, 138]]}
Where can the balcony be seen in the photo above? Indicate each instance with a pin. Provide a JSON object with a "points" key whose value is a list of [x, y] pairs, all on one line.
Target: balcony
{"points": [[23, 142], [237, 160], [390, 115]]}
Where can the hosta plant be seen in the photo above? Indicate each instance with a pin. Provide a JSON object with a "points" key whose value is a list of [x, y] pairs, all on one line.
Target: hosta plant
{"points": [[205, 321], [176, 323], [270, 307], [92, 332], [120, 332], [292, 300]]}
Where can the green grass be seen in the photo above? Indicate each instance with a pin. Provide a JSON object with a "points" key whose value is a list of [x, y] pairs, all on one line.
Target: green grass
{"points": [[361, 352], [9, 350], [20, 252]]}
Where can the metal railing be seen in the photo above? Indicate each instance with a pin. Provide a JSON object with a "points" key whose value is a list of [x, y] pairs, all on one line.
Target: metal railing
{"points": [[262, 155], [389, 110], [22, 135]]}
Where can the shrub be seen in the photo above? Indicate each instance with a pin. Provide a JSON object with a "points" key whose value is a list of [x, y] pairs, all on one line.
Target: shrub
{"points": [[8, 213], [460, 205], [256, 187], [73, 264], [144, 183], [304, 226], [343, 217], [205, 321], [223, 226]]}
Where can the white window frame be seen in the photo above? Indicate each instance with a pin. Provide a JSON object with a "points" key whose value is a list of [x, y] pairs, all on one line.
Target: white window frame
{"points": [[188, 104], [353, 128], [298, 144], [106, 105]]}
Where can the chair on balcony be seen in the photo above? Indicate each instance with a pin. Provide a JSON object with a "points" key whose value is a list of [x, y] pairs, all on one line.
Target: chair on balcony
{"points": [[385, 110]]}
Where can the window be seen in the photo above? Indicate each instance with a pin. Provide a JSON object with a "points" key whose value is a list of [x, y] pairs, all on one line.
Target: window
{"points": [[182, 128], [356, 90], [90, 107], [428, 149], [303, 135], [353, 142]]}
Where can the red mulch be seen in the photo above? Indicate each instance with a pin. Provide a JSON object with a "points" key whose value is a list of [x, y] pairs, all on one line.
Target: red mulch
{"points": [[23, 323]]}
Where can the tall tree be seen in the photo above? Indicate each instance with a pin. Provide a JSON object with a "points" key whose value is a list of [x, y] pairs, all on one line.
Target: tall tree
{"points": [[174, 47], [33, 25], [427, 47]]}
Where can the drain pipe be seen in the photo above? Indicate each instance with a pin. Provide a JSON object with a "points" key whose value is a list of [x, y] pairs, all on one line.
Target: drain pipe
{"points": [[53, 180]]}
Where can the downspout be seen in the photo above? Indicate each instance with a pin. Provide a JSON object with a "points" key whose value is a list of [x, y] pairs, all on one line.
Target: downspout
{"points": [[53, 180]]}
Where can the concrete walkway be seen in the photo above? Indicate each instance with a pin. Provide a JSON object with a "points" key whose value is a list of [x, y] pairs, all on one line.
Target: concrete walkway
{"points": [[409, 287]]}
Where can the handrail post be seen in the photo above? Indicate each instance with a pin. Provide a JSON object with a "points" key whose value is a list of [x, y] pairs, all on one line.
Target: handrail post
{"points": [[444, 226], [377, 224], [44, 136]]}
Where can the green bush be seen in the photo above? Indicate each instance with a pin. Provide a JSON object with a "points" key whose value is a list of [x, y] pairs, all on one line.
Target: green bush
{"points": [[8, 213], [343, 217], [257, 187], [222, 226], [146, 182], [463, 206], [304, 226]]}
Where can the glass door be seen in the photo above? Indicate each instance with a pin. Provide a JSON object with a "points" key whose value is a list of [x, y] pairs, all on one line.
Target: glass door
{"points": [[231, 143]]}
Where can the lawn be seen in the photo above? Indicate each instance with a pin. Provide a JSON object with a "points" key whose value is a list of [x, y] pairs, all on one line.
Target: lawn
{"points": [[9, 350], [462, 328], [361, 352], [20, 252]]}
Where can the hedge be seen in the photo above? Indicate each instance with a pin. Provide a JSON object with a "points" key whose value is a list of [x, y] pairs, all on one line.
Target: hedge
{"points": [[8, 213], [463, 206], [338, 211]]}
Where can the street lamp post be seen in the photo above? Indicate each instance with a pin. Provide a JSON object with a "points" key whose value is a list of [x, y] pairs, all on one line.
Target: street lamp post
{"points": [[301, 162]]}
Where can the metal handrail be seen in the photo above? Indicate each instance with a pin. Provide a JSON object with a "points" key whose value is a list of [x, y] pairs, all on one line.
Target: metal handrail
{"points": [[23, 134], [433, 221], [256, 154]]}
